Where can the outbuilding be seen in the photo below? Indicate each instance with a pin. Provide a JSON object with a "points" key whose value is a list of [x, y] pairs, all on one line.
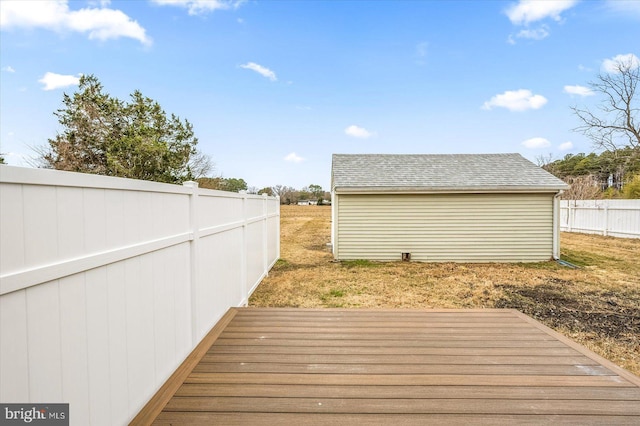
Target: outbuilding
{"points": [[444, 208]]}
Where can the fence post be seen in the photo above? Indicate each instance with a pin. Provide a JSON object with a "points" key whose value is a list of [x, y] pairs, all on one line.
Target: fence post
{"points": [[278, 228], [606, 219], [194, 230], [245, 250], [569, 218], [265, 235]]}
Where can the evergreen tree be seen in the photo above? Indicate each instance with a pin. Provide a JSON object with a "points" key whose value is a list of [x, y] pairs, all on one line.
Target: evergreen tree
{"points": [[104, 135]]}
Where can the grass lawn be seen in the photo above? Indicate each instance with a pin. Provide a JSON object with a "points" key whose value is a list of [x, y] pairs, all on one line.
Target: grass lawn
{"points": [[597, 305]]}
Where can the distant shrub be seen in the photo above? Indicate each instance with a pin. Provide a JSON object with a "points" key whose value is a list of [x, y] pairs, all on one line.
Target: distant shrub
{"points": [[632, 188], [611, 192]]}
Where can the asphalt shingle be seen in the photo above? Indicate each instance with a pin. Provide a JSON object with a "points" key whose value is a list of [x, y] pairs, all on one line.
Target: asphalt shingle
{"points": [[439, 172]]}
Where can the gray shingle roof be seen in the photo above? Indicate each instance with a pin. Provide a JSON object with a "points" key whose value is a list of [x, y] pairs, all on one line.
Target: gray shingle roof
{"points": [[440, 173]]}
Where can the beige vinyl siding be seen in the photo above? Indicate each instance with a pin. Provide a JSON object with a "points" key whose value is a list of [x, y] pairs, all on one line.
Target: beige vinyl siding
{"points": [[445, 227]]}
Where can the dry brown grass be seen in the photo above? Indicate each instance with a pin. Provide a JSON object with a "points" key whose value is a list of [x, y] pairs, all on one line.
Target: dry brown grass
{"points": [[597, 305]]}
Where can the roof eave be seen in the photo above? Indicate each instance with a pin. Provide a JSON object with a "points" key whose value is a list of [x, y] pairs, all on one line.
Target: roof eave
{"points": [[440, 190]]}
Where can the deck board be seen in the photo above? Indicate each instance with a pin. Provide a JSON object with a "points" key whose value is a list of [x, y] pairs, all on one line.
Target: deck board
{"points": [[302, 419], [315, 366]]}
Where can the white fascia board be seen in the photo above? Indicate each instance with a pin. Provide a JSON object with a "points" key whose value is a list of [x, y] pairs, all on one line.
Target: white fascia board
{"points": [[447, 190]]}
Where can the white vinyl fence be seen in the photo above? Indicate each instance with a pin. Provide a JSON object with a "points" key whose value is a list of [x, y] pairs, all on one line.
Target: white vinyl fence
{"points": [[107, 284], [616, 218]]}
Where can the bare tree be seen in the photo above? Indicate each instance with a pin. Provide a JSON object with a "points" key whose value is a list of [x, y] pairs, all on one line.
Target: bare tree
{"points": [[542, 159], [582, 188], [200, 165], [286, 193], [615, 124], [278, 190]]}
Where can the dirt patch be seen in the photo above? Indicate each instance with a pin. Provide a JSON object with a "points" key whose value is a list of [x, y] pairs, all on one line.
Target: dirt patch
{"points": [[597, 305], [607, 322], [604, 314]]}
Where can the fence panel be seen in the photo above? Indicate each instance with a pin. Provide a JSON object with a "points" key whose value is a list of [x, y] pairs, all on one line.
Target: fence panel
{"points": [[107, 284], [616, 218]]}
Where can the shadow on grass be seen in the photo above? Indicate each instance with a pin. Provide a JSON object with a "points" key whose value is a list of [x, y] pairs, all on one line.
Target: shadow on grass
{"points": [[283, 265]]}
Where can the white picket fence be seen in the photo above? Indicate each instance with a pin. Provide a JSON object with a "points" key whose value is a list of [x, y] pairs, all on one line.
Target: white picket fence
{"points": [[616, 218], [107, 284]]}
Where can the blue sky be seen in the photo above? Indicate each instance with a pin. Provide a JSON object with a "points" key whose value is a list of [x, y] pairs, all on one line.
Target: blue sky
{"points": [[273, 88]]}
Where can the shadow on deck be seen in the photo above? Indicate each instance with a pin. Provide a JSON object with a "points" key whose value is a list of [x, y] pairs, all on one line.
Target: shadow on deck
{"points": [[320, 366]]}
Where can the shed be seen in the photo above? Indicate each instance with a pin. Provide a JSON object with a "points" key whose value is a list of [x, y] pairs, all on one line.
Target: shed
{"points": [[444, 208]]}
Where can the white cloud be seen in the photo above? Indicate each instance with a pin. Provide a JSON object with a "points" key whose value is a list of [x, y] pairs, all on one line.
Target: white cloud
{"points": [[625, 7], [358, 132], [263, 71], [293, 158], [421, 49], [583, 68], [613, 65], [527, 11], [578, 90], [29, 14], [516, 100], [535, 143], [98, 23], [532, 34], [106, 24], [8, 68], [565, 146], [54, 81], [197, 7], [421, 52], [537, 34]]}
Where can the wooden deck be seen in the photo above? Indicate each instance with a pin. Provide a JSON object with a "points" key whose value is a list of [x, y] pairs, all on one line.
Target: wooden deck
{"points": [[328, 366]]}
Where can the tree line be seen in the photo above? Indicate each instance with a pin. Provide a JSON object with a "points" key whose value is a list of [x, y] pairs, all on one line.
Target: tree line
{"points": [[290, 195], [610, 174], [287, 194]]}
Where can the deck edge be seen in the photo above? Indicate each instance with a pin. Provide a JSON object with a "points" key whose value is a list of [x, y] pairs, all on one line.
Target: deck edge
{"points": [[625, 374], [159, 400], [376, 310]]}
